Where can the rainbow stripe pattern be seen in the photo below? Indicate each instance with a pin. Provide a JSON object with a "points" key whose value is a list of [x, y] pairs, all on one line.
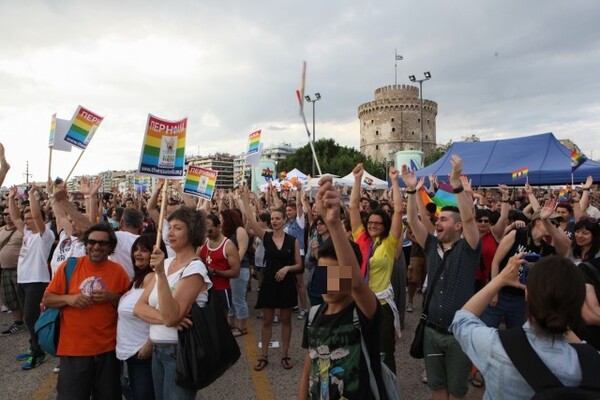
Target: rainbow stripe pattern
{"points": [[520, 173], [253, 142], [163, 149], [445, 196], [82, 127], [267, 173], [576, 160], [141, 183], [200, 182]]}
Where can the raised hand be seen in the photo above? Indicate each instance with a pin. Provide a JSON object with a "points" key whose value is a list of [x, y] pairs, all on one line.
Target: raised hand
{"points": [[84, 185], [96, 184], [357, 172], [409, 177], [588, 183], [394, 174], [420, 184], [548, 209], [466, 182], [457, 166]]}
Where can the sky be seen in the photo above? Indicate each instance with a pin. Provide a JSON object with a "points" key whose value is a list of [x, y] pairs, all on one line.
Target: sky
{"points": [[500, 69]]}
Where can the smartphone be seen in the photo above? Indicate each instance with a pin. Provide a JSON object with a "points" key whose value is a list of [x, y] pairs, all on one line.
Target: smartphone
{"points": [[530, 259]]}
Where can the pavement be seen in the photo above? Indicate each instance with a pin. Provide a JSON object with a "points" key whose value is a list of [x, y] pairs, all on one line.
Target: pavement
{"points": [[239, 382]]}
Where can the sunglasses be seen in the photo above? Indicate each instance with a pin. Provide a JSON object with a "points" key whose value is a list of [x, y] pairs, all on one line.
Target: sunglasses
{"points": [[102, 243]]}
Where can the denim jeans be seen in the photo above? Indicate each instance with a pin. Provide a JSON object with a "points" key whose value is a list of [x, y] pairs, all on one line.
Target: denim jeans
{"points": [[511, 307], [239, 305], [139, 385], [164, 364]]}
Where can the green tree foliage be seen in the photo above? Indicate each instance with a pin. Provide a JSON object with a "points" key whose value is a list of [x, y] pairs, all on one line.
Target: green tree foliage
{"points": [[333, 158]]}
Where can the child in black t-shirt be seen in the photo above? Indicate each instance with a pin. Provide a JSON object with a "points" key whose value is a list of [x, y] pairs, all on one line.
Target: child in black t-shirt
{"points": [[334, 359]]}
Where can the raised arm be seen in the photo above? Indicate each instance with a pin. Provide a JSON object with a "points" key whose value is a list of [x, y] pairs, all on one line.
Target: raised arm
{"points": [[584, 203], [419, 230], [533, 201], [355, 220], [465, 204], [560, 240], [36, 213], [4, 166], [79, 219], [15, 214], [421, 208], [250, 217], [500, 226], [396, 229], [153, 210]]}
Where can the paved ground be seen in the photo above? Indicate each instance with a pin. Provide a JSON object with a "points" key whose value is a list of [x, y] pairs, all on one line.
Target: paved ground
{"points": [[240, 382]]}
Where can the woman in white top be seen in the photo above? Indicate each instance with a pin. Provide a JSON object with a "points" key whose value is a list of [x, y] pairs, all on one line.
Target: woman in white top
{"points": [[180, 281], [133, 334]]}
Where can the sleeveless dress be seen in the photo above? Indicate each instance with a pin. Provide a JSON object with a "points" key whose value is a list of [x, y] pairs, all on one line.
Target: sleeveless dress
{"points": [[275, 294]]}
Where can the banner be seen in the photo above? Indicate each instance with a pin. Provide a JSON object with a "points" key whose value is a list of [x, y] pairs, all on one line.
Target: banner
{"points": [[58, 130], [163, 149], [82, 127], [200, 182], [254, 159], [262, 173], [253, 143], [141, 183]]}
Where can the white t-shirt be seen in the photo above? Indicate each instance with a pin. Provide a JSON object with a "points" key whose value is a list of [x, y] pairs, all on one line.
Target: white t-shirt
{"points": [[33, 258], [122, 254], [68, 246], [132, 332], [161, 333]]}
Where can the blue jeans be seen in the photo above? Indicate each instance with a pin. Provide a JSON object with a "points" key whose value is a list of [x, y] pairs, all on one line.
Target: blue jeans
{"points": [[164, 364], [239, 306], [140, 385], [511, 307]]}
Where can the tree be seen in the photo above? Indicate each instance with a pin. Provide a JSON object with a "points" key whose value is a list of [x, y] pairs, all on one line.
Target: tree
{"points": [[333, 159], [437, 154]]}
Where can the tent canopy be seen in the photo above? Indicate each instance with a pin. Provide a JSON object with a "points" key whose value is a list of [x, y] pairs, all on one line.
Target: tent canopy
{"points": [[368, 181], [491, 163]]}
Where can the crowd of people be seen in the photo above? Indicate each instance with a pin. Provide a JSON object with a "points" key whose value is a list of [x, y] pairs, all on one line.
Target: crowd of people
{"points": [[499, 259]]}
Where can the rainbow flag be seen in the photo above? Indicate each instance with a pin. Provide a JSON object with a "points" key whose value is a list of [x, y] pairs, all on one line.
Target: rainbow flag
{"points": [[58, 129], [520, 173], [253, 142], [267, 173], [576, 160], [426, 199], [82, 127], [445, 196], [368, 181], [200, 182], [141, 183], [163, 149], [238, 180]]}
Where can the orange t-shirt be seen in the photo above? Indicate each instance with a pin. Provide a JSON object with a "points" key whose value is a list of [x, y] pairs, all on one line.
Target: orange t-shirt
{"points": [[92, 330]]}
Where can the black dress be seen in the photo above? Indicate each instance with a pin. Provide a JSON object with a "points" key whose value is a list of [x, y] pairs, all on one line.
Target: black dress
{"points": [[275, 294]]}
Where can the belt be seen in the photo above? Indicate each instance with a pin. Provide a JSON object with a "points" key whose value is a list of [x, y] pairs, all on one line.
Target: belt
{"points": [[437, 328]]}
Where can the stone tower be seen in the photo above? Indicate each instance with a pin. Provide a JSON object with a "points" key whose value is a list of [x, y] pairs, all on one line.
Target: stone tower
{"points": [[392, 122]]}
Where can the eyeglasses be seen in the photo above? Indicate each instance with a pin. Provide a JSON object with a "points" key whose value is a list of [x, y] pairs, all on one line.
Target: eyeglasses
{"points": [[6, 214], [483, 221], [102, 243], [376, 223]]}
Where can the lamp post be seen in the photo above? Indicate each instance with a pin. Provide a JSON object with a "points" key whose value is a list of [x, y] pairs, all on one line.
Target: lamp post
{"points": [[413, 79], [313, 101]]}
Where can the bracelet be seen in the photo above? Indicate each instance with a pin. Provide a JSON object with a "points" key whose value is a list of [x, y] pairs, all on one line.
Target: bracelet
{"points": [[411, 191], [458, 189], [588, 189]]}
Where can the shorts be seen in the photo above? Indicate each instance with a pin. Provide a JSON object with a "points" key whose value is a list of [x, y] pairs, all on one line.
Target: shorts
{"points": [[416, 270], [9, 288], [446, 364], [224, 298]]}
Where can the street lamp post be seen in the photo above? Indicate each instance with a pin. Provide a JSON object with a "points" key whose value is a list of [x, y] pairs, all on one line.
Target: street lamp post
{"points": [[414, 79], [313, 101]]}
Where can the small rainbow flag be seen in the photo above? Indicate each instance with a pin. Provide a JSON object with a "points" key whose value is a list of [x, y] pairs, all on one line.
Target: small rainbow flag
{"points": [[141, 183], [520, 173], [163, 149], [445, 196], [563, 193], [267, 173], [82, 127], [200, 182], [368, 181], [576, 160], [238, 180], [253, 142]]}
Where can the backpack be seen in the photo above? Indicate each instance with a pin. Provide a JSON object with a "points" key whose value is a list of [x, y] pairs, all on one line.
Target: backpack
{"points": [[545, 384], [388, 378], [47, 327]]}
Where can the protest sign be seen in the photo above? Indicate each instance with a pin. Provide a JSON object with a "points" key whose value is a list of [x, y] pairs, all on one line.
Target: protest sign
{"points": [[163, 149], [200, 182], [82, 127]]}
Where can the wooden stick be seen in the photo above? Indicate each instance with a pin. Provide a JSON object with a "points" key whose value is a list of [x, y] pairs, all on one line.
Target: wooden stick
{"points": [[73, 169], [50, 163], [163, 207]]}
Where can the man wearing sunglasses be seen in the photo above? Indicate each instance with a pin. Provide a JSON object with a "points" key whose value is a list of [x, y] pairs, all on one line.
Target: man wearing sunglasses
{"points": [[88, 364]]}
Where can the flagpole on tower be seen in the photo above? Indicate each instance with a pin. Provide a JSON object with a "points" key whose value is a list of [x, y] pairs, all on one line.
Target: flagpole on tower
{"points": [[397, 57]]}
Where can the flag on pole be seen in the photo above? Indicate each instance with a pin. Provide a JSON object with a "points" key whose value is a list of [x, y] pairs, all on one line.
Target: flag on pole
{"points": [[563, 193], [300, 93], [576, 160], [426, 199], [200, 182], [399, 57], [254, 159], [163, 148], [82, 127], [520, 173], [58, 130]]}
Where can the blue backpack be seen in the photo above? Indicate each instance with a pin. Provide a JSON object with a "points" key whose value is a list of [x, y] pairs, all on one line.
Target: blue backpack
{"points": [[47, 327]]}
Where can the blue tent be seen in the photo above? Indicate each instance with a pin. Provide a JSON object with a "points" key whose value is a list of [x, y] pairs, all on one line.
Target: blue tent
{"points": [[491, 163]]}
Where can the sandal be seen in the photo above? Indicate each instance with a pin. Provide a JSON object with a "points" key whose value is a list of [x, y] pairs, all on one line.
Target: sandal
{"points": [[286, 363], [477, 380], [261, 364], [237, 332]]}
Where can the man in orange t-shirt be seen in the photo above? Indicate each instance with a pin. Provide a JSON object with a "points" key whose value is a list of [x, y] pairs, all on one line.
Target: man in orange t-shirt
{"points": [[88, 322]]}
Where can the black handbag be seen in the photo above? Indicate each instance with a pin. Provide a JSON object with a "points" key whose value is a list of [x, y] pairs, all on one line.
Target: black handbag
{"points": [[207, 349], [416, 348]]}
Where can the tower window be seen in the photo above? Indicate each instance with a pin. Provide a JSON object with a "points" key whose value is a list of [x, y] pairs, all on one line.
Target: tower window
{"points": [[377, 132], [392, 119], [419, 120], [376, 147], [371, 121], [393, 129], [413, 132]]}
